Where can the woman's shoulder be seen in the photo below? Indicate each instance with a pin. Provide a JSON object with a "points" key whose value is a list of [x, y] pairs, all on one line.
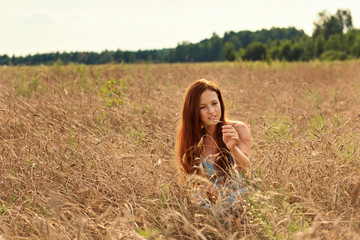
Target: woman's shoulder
{"points": [[238, 124], [241, 127]]}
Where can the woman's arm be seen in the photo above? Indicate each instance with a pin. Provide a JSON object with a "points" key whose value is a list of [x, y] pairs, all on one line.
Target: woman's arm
{"points": [[238, 140]]}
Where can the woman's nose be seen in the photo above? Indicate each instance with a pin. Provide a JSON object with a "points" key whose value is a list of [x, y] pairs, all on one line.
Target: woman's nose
{"points": [[211, 109]]}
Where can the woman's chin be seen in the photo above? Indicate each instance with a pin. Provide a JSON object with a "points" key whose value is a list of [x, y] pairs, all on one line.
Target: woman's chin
{"points": [[212, 122]]}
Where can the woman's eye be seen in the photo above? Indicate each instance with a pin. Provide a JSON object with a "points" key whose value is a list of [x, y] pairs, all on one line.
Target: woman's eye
{"points": [[214, 103], [202, 107]]}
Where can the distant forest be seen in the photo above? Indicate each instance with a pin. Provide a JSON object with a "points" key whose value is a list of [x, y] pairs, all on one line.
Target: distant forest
{"points": [[333, 38]]}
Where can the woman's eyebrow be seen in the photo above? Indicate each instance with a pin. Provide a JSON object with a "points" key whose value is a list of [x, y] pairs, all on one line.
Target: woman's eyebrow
{"points": [[214, 100]]}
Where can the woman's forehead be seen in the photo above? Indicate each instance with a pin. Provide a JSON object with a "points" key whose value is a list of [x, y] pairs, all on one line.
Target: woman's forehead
{"points": [[208, 96]]}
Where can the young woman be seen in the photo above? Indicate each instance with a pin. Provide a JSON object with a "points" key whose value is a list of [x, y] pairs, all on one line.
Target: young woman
{"points": [[208, 144]]}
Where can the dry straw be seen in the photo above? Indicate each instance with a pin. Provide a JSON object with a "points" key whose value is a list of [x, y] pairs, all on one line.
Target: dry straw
{"points": [[74, 166]]}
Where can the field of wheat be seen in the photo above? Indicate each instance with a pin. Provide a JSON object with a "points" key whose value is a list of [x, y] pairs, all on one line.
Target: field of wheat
{"points": [[86, 152]]}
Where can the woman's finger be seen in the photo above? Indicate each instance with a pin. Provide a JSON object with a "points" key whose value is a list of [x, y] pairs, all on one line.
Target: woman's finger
{"points": [[230, 131], [227, 127], [230, 134]]}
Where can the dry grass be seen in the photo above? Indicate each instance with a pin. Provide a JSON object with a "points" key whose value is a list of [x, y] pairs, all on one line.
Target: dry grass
{"points": [[74, 167]]}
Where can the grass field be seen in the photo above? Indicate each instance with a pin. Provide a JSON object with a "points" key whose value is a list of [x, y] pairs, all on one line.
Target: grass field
{"points": [[86, 152]]}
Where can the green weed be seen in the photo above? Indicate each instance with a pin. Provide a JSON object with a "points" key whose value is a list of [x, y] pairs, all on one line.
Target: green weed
{"points": [[4, 210], [113, 92], [26, 88], [279, 128], [273, 216], [147, 233], [137, 134], [72, 139], [317, 122], [141, 109], [57, 66]]}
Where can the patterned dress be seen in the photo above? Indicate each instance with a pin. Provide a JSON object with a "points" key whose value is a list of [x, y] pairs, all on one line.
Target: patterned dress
{"points": [[232, 190]]}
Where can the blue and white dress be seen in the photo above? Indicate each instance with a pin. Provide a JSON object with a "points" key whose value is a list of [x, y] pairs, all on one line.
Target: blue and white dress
{"points": [[232, 190]]}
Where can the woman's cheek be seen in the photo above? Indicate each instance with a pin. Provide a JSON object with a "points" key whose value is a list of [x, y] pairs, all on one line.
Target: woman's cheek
{"points": [[202, 114]]}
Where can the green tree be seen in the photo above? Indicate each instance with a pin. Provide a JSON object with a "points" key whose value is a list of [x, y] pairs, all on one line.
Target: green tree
{"points": [[229, 52], [255, 51], [132, 57], [273, 49], [328, 25], [296, 51], [355, 49], [182, 52], [333, 55], [285, 51], [215, 52], [319, 45], [335, 42], [89, 58], [118, 56], [106, 57], [4, 60], [236, 41], [307, 44]]}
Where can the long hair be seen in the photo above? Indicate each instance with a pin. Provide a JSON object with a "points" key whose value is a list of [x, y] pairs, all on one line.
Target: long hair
{"points": [[190, 130]]}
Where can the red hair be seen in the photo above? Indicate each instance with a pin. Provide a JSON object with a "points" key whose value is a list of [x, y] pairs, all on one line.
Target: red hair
{"points": [[190, 130]]}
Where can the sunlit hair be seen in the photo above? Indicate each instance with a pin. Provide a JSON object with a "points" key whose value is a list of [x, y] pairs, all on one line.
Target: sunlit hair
{"points": [[190, 130]]}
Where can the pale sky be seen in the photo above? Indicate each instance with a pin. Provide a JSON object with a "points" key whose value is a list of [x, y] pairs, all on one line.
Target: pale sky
{"points": [[42, 26]]}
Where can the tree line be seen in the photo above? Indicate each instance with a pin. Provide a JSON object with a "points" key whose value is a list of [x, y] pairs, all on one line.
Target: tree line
{"points": [[333, 38]]}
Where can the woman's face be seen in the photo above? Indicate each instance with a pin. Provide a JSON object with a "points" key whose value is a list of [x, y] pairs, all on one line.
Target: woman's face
{"points": [[210, 109]]}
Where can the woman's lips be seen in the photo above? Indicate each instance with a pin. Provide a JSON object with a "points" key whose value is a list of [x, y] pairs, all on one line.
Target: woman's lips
{"points": [[212, 118]]}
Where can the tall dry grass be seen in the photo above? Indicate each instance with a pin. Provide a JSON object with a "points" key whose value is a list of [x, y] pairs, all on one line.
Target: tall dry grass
{"points": [[78, 163]]}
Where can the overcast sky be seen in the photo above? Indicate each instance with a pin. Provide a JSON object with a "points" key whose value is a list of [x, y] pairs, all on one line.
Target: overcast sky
{"points": [[41, 26]]}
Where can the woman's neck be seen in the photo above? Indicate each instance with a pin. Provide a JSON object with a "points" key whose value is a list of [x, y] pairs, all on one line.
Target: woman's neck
{"points": [[210, 130], [210, 146]]}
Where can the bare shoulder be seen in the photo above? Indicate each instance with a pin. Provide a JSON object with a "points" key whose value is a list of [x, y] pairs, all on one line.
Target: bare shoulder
{"points": [[239, 125], [242, 129]]}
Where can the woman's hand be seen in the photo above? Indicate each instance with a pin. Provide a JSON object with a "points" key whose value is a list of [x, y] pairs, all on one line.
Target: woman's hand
{"points": [[210, 190], [230, 136]]}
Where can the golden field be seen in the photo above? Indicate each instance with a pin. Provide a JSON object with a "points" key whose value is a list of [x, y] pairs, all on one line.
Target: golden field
{"points": [[86, 152]]}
